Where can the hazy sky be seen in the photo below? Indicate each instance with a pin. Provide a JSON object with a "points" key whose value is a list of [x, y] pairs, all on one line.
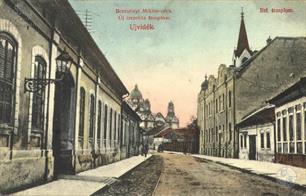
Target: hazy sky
{"points": [[170, 62]]}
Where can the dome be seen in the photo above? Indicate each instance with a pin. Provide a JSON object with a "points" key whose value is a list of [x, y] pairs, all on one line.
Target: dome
{"points": [[204, 85], [135, 93]]}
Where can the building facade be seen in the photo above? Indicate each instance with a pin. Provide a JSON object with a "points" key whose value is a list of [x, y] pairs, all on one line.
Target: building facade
{"points": [[256, 135], [131, 132], [246, 88], [290, 134], [67, 126]]}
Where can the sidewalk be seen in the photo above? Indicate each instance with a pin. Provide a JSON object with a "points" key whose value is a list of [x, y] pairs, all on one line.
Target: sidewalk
{"points": [[87, 182], [279, 172]]}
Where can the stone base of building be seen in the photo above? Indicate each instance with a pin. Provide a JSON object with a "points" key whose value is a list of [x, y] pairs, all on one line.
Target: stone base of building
{"points": [[259, 156], [28, 168], [297, 160], [216, 152], [25, 169], [86, 161]]}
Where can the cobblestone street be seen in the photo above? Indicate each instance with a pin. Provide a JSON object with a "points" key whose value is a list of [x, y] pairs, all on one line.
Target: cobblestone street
{"points": [[139, 181]]}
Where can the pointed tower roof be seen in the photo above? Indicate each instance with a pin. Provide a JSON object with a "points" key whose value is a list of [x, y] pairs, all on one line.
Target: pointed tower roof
{"points": [[242, 39]]}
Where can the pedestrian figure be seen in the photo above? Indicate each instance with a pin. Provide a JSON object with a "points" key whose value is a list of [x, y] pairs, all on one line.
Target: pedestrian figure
{"points": [[146, 149], [141, 149], [185, 149]]}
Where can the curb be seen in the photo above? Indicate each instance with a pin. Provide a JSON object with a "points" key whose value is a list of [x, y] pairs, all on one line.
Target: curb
{"points": [[276, 180], [108, 185]]}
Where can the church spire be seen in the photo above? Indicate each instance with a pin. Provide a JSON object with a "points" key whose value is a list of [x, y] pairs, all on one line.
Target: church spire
{"points": [[243, 38]]}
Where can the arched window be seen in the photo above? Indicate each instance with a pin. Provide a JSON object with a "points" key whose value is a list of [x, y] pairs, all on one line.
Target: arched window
{"points": [[39, 96], [110, 123], [91, 118], [82, 115], [8, 54], [115, 126], [99, 122], [105, 123]]}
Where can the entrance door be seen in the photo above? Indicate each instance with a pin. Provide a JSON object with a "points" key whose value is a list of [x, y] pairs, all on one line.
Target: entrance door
{"points": [[252, 147], [63, 126]]}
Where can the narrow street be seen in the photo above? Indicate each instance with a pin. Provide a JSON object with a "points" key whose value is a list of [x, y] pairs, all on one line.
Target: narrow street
{"points": [[173, 174]]}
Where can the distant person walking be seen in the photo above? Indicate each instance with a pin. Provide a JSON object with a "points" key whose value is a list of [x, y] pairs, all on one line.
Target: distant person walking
{"points": [[146, 150]]}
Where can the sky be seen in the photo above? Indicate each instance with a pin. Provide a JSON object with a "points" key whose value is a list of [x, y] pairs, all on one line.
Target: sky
{"points": [[170, 61]]}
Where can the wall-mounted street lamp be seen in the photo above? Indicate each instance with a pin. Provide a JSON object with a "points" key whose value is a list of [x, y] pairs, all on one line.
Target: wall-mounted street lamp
{"points": [[63, 65]]}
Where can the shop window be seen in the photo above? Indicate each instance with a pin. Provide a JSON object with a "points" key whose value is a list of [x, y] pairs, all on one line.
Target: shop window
{"points": [[285, 148], [298, 126], [39, 96], [279, 129], [291, 147], [284, 128], [299, 146], [8, 54], [305, 125], [279, 148], [291, 130]]}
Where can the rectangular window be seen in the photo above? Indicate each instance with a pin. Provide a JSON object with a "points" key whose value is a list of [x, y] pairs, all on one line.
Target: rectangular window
{"points": [[105, 124], [299, 146], [230, 131], [285, 128], [291, 147], [91, 118], [99, 122], [305, 126], [110, 123], [220, 102], [245, 140], [285, 148], [229, 99], [279, 129], [291, 130], [223, 134], [262, 140], [279, 148], [216, 105], [115, 127], [39, 96], [241, 141], [223, 102], [268, 140], [82, 116], [298, 126], [8, 54]]}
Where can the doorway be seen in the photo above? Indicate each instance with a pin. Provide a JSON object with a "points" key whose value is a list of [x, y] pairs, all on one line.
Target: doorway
{"points": [[252, 147], [63, 126]]}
